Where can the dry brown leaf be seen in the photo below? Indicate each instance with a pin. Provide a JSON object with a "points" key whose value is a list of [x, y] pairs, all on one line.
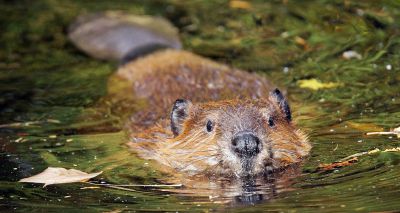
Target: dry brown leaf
{"points": [[53, 175], [335, 165]]}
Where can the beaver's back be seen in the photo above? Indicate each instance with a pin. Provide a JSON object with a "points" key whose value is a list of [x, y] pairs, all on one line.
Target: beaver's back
{"points": [[249, 133], [162, 77]]}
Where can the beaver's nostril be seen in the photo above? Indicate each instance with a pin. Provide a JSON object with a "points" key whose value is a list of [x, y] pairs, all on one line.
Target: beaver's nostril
{"points": [[257, 140], [234, 142]]}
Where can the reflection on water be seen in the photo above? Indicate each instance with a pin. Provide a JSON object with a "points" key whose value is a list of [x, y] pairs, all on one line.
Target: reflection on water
{"points": [[239, 192], [43, 77]]}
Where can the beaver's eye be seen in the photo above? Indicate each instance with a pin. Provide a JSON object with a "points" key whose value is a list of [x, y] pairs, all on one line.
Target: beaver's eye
{"points": [[271, 122], [209, 126]]}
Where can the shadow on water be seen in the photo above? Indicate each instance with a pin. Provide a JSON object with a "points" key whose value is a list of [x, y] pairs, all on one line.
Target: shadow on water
{"points": [[46, 82]]}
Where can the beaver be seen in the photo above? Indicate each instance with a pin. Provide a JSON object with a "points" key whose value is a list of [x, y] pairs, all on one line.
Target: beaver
{"points": [[201, 117]]}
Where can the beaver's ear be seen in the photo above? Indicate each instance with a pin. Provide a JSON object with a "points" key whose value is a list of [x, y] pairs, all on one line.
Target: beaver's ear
{"points": [[277, 96], [180, 111]]}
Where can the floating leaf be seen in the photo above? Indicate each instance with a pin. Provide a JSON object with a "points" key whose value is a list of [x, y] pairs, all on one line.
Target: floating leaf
{"points": [[239, 4], [364, 126], [314, 84], [54, 175]]}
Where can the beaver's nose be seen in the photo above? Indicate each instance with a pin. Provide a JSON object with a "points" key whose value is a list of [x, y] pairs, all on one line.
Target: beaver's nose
{"points": [[246, 144]]}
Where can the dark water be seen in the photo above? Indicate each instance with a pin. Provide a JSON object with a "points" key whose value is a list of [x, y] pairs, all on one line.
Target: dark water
{"points": [[45, 80]]}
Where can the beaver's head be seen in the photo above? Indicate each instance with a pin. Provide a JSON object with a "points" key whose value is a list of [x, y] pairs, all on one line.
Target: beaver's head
{"points": [[239, 137]]}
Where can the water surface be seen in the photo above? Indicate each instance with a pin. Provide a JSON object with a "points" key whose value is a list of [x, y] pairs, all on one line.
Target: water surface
{"points": [[47, 81]]}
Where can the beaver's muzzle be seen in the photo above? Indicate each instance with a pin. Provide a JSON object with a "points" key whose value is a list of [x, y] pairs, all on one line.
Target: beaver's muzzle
{"points": [[246, 144]]}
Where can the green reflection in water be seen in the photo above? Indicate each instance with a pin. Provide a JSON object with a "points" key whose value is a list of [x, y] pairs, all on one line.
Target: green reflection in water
{"points": [[44, 77]]}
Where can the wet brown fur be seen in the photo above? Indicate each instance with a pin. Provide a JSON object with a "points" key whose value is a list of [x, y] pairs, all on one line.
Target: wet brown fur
{"points": [[226, 95]]}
